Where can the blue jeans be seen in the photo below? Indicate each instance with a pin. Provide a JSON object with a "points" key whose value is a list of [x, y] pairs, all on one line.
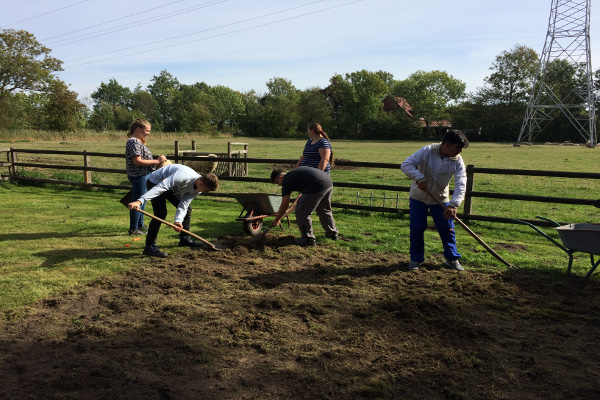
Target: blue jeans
{"points": [[418, 224], [138, 188]]}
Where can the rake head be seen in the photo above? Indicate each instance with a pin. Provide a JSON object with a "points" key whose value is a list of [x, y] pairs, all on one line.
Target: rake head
{"points": [[516, 271]]}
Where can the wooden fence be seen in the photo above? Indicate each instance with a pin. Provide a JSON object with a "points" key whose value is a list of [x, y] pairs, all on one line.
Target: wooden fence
{"points": [[12, 163]]}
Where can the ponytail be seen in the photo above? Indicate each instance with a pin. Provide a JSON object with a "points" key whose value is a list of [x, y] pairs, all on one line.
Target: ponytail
{"points": [[330, 151], [138, 123], [317, 128]]}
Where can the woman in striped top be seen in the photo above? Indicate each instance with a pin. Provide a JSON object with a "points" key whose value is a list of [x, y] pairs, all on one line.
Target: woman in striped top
{"points": [[140, 164], [317, 151]]}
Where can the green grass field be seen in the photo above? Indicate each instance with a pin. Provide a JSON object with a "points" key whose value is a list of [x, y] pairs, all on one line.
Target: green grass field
{"points": [[56, 237]]}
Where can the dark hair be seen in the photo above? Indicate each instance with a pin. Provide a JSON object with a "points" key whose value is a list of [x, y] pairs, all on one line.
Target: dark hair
{"points": [[317, 128], [210, 181], [275, 174], [455, 137]]}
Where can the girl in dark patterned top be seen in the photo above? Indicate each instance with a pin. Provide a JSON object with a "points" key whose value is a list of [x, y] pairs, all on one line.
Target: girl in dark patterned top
{"points": [[317, 151], [140, 164]]}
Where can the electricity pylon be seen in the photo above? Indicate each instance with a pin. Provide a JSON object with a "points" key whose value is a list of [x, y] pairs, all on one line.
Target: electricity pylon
{"points": [[568, 39]]}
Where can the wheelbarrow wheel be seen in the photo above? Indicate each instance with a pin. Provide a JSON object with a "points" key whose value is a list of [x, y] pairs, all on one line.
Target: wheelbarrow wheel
{"points": [[253, 227]]}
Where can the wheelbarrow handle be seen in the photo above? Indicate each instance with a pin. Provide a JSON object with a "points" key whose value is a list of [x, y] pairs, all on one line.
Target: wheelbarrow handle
{"points": [[264, 233], [206, 242], [481, 242], [538, 230]]}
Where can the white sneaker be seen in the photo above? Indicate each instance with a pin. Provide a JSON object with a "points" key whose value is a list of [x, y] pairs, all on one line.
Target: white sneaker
{"points": [[413, 266], [454, 264]]}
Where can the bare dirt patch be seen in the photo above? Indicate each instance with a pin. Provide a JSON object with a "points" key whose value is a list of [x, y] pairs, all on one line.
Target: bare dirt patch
{"points": [[273, 321]]}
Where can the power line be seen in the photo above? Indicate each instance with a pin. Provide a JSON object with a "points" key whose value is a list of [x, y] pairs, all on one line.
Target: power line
{"points": [[107, 31], [20, 6], [46, 13], [210, 29], [113, 20]]}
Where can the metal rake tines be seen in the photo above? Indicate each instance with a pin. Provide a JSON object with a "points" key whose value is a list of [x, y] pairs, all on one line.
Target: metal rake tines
{"points": [[516, 271]]}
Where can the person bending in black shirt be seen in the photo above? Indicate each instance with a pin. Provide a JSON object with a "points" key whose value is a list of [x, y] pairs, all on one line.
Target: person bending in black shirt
{"points": [[316, 188]]}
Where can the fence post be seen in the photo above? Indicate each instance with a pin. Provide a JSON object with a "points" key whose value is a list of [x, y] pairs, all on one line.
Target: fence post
{"points": [[176, 151], [229, 165], [13, 159], [245, 165], [193, 145], [468, 205], [87, 162]]}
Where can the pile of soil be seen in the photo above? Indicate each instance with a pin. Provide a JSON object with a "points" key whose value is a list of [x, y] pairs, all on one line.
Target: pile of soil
{"points": [[274, 321]]}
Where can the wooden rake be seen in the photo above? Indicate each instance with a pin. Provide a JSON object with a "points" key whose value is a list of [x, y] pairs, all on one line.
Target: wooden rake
{"points": [[206, 242], [511, 267]]}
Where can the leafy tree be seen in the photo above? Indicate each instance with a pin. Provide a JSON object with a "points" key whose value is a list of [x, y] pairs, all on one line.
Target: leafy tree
{"points": [[112, 93], [142, 104], [495, 111], [392, 125], [355, 100], [62, 111], [252, 119], [314, 107], [430, 94], [224, 104], [164, 88], [514, 72], [565, 82], [281, 108], [190, 111], [17, 112], [103, 117], [25, 64], [387, 77]]}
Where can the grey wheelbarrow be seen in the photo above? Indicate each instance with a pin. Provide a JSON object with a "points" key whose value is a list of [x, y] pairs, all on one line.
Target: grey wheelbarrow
{"points": [[581, 237], [257, 207]]}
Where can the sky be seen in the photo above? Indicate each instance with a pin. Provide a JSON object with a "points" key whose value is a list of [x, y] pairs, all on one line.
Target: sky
{"points": [[242, 44]]}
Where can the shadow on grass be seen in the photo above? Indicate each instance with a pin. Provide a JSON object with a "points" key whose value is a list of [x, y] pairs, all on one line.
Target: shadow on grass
{"points": [[54, 257], [325, 275], [84, 232]]}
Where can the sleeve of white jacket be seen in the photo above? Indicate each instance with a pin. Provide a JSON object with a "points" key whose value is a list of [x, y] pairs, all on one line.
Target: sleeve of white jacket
{"points": [[410, 166], [157, 190], [182, 208], [460, 186]]}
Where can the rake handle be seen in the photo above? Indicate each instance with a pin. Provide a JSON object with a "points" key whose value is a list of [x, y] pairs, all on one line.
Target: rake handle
{"points": [[481, 242], [206, 242]]}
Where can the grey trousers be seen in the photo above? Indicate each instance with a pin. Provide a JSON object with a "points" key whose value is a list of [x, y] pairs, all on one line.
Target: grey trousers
{"points": [[321, 203]]}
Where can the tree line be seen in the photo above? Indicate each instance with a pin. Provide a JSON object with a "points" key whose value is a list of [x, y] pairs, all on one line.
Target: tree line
{"points": [[356, 105]]}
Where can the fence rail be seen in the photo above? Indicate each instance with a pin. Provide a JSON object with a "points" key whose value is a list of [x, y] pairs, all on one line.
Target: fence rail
{"points": [[12, 163]]}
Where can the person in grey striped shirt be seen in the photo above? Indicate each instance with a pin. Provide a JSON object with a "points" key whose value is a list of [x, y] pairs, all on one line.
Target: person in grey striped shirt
{"points": [[317, 150], [140, 164]]}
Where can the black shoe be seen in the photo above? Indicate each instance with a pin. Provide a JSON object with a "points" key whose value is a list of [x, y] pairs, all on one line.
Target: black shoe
{"points": [[136, 232], [154, 251], [187, 241], [334, 237], [304, 242]]}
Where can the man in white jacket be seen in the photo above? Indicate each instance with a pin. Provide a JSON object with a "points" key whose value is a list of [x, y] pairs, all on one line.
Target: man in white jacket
{"points": [[179, 185], [431, 168]]}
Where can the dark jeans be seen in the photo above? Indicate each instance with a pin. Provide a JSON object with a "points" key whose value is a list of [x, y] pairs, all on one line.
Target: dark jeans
{"points": [[159, 206]]}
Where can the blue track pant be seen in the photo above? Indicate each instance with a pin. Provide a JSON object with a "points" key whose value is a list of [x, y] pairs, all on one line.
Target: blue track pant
{"points": [[418, 224]]}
